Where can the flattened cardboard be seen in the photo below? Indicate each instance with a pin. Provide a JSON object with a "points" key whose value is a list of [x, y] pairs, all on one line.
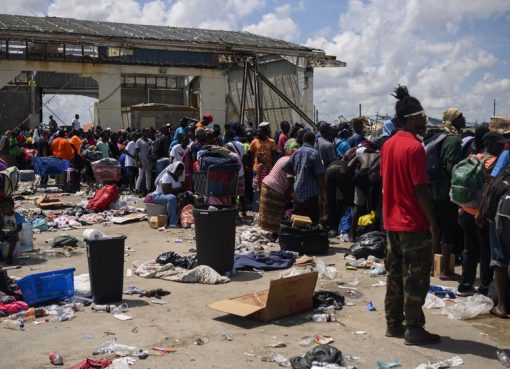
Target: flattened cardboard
{"points": [[47, 203], [285, 296]]}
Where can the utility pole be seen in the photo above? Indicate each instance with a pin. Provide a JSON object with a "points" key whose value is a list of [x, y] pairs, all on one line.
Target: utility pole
{"points": [[494, 108], [360, 110]]}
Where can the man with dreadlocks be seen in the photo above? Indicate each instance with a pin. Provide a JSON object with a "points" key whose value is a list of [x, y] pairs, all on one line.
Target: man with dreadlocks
{"points": [[409, 219]]}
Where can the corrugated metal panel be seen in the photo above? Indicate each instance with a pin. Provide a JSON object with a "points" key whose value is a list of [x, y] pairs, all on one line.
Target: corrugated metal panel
{"points": [[192, 36], [284, 75], [162, 57]]}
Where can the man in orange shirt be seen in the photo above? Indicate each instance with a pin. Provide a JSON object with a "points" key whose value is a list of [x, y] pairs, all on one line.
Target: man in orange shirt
{"points": [[61, 147]]}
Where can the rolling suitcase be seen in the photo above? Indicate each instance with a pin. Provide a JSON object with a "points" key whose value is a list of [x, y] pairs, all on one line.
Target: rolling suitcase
{"points": [[312, 240]]}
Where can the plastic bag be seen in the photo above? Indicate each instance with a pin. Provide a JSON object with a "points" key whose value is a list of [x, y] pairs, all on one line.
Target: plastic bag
{"points": [[469, 308], [324, 354], [433, 302], [324, 299], [344, 227], [325, 271], [372, 243], [366, 220]]}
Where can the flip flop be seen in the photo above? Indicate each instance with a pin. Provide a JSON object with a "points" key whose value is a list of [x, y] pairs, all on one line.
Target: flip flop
{"points": [[499, 315]]}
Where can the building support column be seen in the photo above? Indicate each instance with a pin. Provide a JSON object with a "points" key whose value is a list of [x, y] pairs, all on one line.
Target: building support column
{"points": [[109, 104]]}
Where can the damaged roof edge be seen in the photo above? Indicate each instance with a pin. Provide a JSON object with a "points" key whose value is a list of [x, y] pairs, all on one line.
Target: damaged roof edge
{"points": [[69, 30]]}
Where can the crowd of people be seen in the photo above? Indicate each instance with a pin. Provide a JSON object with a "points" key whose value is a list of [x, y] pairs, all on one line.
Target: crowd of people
{"points": [[402, 174]]}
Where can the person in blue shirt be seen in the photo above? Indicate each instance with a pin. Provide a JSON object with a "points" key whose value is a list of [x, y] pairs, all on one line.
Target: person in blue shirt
{"points": [[342, 144], [502, 162], [179, 132], [11, 226]]}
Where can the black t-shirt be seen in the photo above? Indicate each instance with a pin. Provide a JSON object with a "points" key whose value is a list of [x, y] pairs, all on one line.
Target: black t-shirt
{"points": [[43, 146]]}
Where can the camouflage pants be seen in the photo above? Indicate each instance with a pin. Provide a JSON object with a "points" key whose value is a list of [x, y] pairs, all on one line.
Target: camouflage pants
{"points": [[408, 262]]}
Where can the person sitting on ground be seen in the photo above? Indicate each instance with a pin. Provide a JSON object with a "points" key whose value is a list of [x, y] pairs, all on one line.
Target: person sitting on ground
{"points": [[169, 184], [306, 166], [11, 226]]}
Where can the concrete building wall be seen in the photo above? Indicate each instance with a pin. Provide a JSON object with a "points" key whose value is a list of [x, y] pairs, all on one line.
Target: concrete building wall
{"points": [[213, 84], [15, 106]]}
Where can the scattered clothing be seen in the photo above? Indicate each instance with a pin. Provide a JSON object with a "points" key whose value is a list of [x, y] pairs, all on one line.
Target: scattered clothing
{"points": [[201, 274], [275, 260]]}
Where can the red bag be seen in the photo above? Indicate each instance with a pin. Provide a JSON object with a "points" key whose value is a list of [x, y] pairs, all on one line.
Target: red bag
{"points": [[103, 198]]}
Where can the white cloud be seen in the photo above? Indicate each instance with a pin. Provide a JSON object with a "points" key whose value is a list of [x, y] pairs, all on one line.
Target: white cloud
{"points": [[413, 42], [278, 24], [24, 7], [64, 107]]}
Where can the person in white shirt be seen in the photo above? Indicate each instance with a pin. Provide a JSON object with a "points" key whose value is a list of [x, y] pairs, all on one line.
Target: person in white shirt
{"points": [[178, 151], [76, 123], [142, 150], [130, 162], [168, 185]]}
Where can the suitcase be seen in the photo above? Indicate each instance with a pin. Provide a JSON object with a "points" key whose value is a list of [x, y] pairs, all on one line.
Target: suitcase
{"points": [[72, 182], [26, 175], [312, 240]]}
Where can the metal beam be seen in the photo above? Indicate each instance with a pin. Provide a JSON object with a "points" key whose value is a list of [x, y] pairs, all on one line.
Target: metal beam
{"points": [[243, 93], [284, 97]]}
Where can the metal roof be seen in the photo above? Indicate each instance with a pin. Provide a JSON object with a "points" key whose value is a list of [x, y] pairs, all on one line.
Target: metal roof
{"points": [[69, 30]]}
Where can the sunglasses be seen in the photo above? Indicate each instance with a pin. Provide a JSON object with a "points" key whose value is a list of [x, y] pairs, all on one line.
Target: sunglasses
{"points": [[422, 113]]}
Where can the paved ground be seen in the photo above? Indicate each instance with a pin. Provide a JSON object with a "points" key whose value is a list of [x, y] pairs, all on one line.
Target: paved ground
{"points": [[186, 317]]}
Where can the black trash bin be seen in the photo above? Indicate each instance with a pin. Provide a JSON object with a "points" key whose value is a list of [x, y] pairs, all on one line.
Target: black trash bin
{"points": [[215, 234], [106, 268]]}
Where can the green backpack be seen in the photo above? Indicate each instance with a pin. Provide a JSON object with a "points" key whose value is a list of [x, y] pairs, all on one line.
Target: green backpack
{"points": [[10, 180], [468, 178]]}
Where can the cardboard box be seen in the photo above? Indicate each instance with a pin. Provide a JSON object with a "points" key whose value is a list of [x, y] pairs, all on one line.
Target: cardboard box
{"points": [[300, 221], [158, 221], [285, 296], [438, 260], [47, 203]]}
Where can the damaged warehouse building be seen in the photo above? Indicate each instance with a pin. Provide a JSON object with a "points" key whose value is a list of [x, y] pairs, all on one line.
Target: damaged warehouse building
{"points": [[144, 75]]}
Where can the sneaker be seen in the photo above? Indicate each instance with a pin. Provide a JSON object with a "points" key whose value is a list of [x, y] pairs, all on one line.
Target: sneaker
{"points": [[482, 290], [419, 336], [465, 290], [397, 331]]}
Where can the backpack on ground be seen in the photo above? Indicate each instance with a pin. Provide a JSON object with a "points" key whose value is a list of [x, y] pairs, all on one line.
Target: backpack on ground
{"points": [[103, 198], [435, 167], [468, 178], [493, 192], [10, 179]]}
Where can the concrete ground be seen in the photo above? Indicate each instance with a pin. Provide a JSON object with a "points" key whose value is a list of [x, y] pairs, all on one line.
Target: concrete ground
{"points": [[185, 317]]}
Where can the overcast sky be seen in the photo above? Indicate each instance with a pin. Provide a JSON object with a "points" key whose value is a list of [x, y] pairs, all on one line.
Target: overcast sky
{"points": [[448, 52]]}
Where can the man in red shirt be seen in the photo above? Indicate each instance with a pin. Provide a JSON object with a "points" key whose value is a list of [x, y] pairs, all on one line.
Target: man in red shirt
{"points": [[410, 222]]}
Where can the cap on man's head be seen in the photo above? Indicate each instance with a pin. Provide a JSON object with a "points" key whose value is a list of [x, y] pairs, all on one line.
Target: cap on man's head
{"points": [[207, 117], [450, 114], [264, 124], [495, 137]]}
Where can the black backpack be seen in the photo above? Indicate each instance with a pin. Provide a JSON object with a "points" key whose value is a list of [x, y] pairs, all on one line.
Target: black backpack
{"points": [[493, 192], [435, 167]]}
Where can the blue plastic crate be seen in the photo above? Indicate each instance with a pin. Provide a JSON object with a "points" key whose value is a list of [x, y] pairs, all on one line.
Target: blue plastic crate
{"points": [[48, 286]]}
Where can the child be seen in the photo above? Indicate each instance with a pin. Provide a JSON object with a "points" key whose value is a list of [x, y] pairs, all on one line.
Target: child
{"points": [[11, 226]]}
